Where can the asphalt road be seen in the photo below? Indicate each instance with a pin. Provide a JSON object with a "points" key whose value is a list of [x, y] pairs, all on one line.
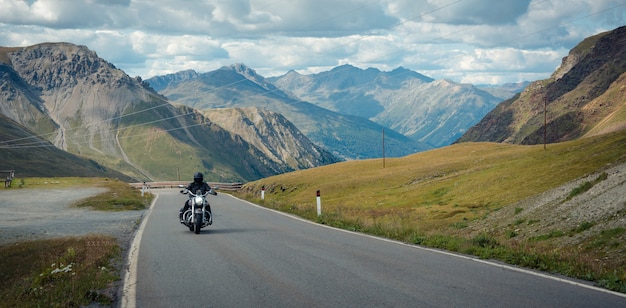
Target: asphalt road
{"points": [[254, 257]]}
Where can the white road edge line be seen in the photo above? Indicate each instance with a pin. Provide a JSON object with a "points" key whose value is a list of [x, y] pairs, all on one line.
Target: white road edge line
{"points": [[129, 295], [505, 266]]}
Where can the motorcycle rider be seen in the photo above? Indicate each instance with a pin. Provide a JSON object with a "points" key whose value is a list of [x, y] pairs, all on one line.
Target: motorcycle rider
{"points": [[198, 184]]}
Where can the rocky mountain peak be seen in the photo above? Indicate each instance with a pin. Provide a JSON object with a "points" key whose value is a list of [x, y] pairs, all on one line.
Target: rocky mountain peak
{"points": [[249, 74], [242, 69], [346, 75], [403, 73], [75, 89], [60, 65], [159, 83], [292, 73]]}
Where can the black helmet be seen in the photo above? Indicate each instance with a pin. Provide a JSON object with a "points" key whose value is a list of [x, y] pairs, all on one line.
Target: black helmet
{"points": [[198, 178]]}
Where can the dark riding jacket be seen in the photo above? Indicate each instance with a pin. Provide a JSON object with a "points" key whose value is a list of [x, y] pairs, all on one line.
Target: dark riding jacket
{"points": [[194, 187]]}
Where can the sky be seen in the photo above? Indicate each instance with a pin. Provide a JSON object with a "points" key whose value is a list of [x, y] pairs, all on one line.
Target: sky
{"points": [[466, 41]]}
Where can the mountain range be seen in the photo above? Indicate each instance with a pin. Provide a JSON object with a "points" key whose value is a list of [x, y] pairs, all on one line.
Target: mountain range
{"points": [[235, 125], [418, 112], [345, 136], [81, 104], [433, 112]]}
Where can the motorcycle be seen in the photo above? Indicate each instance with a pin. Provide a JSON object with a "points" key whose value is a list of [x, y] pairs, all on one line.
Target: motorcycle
{"points": [[197, 216]]}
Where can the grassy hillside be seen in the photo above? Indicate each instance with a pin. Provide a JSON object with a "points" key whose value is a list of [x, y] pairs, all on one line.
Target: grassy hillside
{"points": [[432, 198], [436, 188], [30, 156]]}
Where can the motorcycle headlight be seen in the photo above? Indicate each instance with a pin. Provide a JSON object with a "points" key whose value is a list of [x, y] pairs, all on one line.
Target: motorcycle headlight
{"points": [[198, 200]]}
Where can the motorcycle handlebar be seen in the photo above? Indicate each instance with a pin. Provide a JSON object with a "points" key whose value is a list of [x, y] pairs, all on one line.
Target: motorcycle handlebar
{"points": [[185, 191]]}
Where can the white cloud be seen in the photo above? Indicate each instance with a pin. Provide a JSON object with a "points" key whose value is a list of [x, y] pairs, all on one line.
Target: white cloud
{"points": [[461, 40], [14, 12], [508, 59], [471, 12]]}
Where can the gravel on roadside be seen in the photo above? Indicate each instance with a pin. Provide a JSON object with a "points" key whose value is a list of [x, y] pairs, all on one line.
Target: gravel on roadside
{"points": [[32, 214], [29, 214]]}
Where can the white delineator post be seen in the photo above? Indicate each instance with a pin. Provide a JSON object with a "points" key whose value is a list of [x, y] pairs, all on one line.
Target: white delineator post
{"points": [[319, 204], [262, 192]]}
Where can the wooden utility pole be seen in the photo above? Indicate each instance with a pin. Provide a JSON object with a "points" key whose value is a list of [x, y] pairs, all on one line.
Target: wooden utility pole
{"points": [[545, 122], [383, 147]]}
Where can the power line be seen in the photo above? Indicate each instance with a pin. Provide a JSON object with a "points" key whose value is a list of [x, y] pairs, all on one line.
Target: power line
{"points": [[5, 144], [43, 136]]}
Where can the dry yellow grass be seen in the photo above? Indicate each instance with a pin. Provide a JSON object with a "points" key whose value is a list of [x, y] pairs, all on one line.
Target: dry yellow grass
{"points": [[429, 198], [434, 189]]}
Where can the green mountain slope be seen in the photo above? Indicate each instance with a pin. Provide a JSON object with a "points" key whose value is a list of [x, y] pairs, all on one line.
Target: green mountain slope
{"points": [[31, 156], [84, 105]]}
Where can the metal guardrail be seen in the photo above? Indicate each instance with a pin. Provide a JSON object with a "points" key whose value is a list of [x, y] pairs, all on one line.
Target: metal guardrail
{"points": [[174, 184]]}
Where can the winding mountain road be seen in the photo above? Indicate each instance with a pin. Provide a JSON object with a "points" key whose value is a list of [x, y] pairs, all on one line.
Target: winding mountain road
{"points": [[253, 256]]}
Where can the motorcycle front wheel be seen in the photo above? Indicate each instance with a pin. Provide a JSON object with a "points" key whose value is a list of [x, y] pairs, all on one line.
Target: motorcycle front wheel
{"points": [[198, 223]]}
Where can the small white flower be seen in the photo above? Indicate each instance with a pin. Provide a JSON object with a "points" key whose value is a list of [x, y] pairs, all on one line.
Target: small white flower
{"points": [[64, 270]]}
